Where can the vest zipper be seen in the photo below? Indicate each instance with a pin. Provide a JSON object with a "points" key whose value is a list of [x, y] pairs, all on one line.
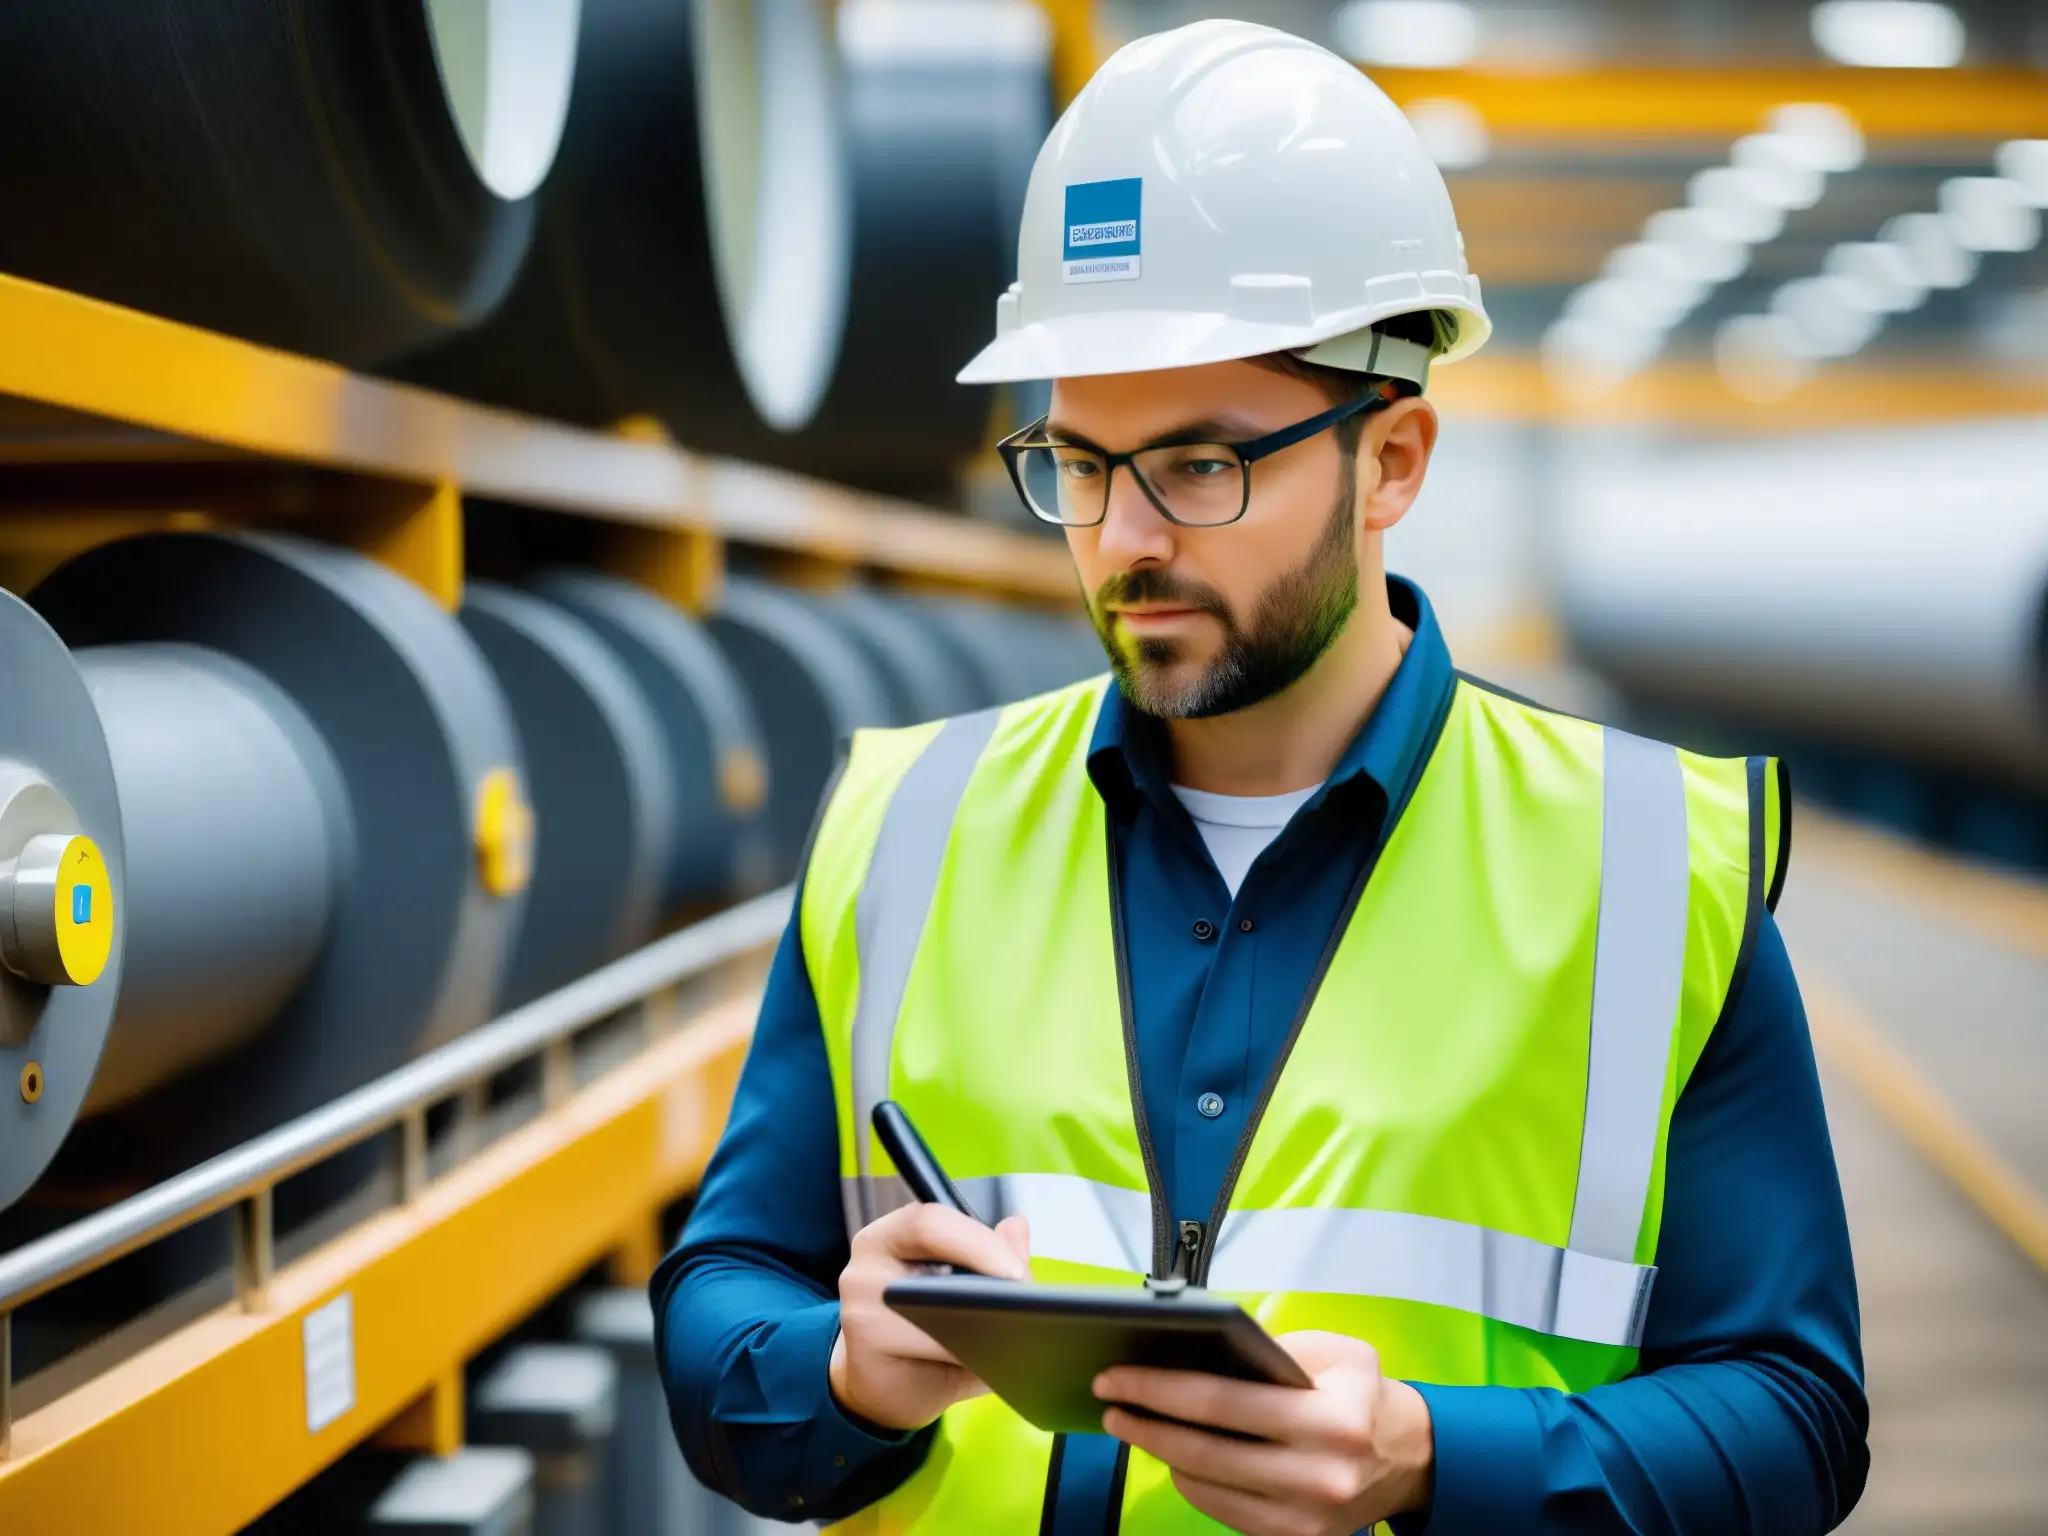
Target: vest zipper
{"points": [[1164, 1250], [1204, 1247], [1187, 1252]]}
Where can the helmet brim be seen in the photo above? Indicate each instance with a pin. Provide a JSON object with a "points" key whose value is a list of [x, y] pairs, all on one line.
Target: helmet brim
{"points": [[1144, 341]]}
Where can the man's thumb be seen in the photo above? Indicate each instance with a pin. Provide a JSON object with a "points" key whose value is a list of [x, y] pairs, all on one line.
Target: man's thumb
{"points": [[1016, 1231]]}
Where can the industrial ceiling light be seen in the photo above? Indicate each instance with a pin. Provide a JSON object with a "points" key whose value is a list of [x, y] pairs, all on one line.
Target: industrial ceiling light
{"points": [[1989, 213], [1617, 324], [1888, 34], [1820, 134], [1930, 246], [1881, 275], [2025, 162], [1827, 315], [1779, 169], [1407, 34], [1761, 357], [1740, 203], [1453, 133], [1594, 356], [1656, 275], [1701, 250]]}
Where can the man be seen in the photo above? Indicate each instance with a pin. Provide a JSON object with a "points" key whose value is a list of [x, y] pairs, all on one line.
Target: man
{"points": [[1452, 1035]]}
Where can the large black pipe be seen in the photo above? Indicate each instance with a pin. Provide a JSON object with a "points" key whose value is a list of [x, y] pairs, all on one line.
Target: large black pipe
{"points": [[947, 103], [347, 178], [691, 260]]}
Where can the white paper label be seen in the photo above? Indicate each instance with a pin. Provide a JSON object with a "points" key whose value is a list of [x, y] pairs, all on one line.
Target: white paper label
{"points": [[330, 1339]]}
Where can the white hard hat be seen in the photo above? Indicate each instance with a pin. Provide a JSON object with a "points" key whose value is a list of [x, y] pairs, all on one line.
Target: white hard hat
{"points": [[1225, 190]]}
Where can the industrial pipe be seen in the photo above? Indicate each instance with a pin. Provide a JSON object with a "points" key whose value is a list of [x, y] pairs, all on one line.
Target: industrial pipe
{"points": [[692, 258], [715, 755], [947, 103], [1881, 590], [811, 691], [344, 179]]}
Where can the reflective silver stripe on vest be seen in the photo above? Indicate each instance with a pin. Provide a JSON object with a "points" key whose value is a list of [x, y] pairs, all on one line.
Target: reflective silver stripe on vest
{"points": [[1072, 1218], [1393, 1254], [895, 896], [1638, 974], [1406, 1257]]}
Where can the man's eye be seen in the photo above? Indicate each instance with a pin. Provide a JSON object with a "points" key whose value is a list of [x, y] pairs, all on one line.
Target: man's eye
{"points": [[1079, 469], [1202, 469]]}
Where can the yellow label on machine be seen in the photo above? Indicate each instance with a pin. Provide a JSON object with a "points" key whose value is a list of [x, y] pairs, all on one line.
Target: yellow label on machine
{"points": [[85, 912], [504, 834]]}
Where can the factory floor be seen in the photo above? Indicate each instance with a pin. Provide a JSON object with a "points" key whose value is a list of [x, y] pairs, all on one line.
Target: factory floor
{"points": [[1926, 987], [1898, 970]]}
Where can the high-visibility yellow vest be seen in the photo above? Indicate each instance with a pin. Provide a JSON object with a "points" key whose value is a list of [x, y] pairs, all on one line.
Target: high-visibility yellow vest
{"points": [[1461, 1156]]}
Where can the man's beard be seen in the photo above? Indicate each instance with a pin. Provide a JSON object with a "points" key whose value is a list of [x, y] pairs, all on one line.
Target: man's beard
{"points": [[1294, 622]]}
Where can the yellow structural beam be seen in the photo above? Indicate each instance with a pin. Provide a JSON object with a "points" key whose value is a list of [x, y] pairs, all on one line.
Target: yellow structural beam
{"points": [[1510, 386], [1074, 45], [1621, 102], [213, 395], [201, 1432]]}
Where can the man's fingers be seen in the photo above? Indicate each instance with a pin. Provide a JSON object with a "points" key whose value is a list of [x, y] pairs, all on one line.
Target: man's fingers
{"points": [[1251, 1466], [1016, 1231], [1316, 1351], [927, 1233], [1228, 1507], [1249, 1407]]}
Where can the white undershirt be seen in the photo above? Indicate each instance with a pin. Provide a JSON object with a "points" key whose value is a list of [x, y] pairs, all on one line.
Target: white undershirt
{"points": [[1237, 828]]}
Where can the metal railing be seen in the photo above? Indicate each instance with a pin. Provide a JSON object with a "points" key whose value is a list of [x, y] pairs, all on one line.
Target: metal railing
{"points": [[244, 1177]]}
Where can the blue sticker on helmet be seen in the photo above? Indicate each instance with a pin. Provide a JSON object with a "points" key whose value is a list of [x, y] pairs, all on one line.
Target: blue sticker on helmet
{"points": [[1102, 231]]}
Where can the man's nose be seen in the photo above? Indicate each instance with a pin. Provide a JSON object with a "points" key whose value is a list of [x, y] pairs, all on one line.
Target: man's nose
{"points": [[1133, 529]]}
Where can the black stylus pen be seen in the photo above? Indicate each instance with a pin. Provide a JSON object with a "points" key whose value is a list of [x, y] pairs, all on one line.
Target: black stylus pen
{"points": [[920, 1170]]}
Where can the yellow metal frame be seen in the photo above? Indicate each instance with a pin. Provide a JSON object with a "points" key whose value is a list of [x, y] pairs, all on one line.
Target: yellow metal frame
{"points": [[1624, 101], [206, 397], [205, 1430], [1512, 386]]}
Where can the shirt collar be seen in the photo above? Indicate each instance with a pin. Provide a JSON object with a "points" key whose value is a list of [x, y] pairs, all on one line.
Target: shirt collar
{"points": [[1127, 757]]}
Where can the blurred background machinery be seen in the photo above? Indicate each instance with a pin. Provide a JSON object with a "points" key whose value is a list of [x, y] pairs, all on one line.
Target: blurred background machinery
{"points": [[467, 465]]}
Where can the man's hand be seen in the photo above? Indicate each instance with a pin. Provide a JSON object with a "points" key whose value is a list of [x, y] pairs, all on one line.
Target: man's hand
{"points": [[1355, 1449], [884, 1369]]}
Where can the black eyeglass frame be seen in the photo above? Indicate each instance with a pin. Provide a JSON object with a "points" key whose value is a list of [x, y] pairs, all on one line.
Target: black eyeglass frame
{"points": [[1013, 448]]}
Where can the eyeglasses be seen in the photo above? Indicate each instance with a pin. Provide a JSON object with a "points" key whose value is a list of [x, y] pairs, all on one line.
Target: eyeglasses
{"points": [[1198, 485]]}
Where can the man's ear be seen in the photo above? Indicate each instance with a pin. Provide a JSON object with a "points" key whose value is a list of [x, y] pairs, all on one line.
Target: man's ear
{"points": [[1401, 438]]}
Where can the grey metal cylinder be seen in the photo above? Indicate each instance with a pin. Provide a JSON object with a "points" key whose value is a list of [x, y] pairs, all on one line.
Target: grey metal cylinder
{"points": [[603, 790], [415, 940], [811, 690], [947, 102], [560, 1402], [716, 755], [235, 821], [1012, 653], [479, 1491], [923, 681], [1878, 590], [649, 1490]]}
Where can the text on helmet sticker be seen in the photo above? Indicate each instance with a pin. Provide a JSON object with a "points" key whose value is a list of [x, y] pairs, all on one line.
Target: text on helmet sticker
{"points": [[1102, 230]]}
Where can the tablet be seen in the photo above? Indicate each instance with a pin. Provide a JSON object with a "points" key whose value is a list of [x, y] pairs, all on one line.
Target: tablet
{"points": [[1040, 1347]]}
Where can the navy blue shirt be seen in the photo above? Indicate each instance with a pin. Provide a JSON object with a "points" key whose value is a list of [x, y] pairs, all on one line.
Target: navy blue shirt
{"points": [[1748, 1412]]}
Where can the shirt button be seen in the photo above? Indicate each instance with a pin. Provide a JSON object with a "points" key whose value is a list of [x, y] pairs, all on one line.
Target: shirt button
{"points": [[1210, 1104], [1204, 929], [1244, 925], [838, 1461]]}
